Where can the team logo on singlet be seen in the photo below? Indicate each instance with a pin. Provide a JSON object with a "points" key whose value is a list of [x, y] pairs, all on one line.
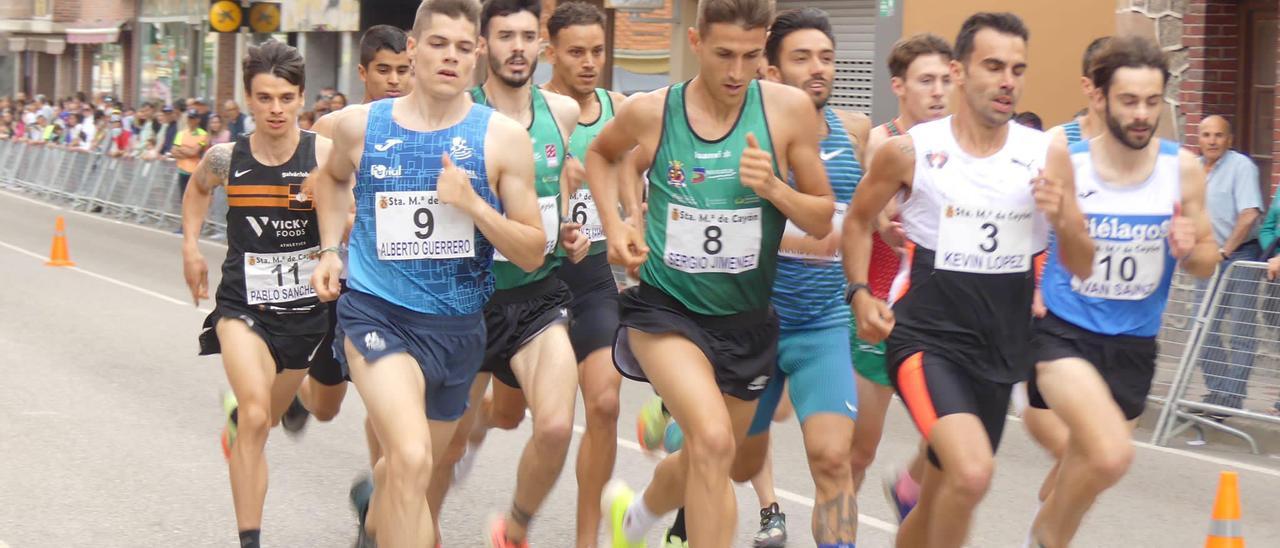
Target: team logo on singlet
{"points": [[699, 174], [458, 149], [936, 159], [553, 159], [675, 173]]}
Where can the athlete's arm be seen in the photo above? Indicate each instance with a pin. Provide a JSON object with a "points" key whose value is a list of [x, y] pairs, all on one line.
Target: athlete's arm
{"points": [[606, 161], [334, 179], [518, 235], [1055, 194], [210, 172], [893, 169], [1191, 234], [630, 184], [809, 205]]}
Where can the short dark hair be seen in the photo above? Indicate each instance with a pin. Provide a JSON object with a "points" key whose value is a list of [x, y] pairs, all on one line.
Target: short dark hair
{"points": [[793, 20], [277, 59], [1127, 52], [503, 8], [907, 50], [1003, 23], [749, 14], [379, 38], [569, 14], [1090, 52], [1029, 119], [453, 9]]}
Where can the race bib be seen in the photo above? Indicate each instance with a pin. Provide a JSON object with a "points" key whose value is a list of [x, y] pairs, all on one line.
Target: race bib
{"points": [[550, 226], [712, 240], [792, 236], [415, 225], [582, 209], [1124, 271], [984, 240], [280, 277]]}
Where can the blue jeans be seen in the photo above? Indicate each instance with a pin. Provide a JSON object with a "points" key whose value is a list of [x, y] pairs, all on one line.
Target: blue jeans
{"points": [[1226, 369]]}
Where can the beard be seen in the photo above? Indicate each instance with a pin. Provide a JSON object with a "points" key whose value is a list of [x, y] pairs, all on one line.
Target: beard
{"points": [[1121, 132], [495, 66]]}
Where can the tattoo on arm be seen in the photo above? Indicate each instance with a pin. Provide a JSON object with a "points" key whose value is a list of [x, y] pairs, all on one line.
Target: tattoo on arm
{"points": [[218, 162], [907, 149]]}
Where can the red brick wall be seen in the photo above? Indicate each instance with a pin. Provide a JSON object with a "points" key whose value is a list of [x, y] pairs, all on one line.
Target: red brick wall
{"points": [[225, 85], [92, 10], [1210, 30]]}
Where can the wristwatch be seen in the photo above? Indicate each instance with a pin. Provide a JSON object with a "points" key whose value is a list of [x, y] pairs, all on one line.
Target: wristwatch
{"points": [[853, 289]]}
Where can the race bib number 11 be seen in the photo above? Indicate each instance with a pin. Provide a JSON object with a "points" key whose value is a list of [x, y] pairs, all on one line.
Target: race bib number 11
{"points": [[984, 240], [279, 277]]}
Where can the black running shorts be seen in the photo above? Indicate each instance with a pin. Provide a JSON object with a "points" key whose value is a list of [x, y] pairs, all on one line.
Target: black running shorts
{"points": [[933, 386], [1126, 363], [513, 317], [594, 308], [288, 350]]}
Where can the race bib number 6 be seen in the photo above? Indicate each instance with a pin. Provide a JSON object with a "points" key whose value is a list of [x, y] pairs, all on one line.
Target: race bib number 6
{"points": [[550, 226], [984, 240], [415, 225], [279, 277], [582, 209], [712, 240]]}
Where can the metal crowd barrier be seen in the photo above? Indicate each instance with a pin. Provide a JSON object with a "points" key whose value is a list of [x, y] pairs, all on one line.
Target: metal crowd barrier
{"points": [[1230, 363], [126, 189]]}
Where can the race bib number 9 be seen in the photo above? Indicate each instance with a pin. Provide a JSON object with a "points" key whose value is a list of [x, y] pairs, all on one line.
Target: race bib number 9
{"points": [[1124, 271], [415, 225], [582, 209], [796, 244], [984, 240], [712, 240], [550, 226], [280, 277]]}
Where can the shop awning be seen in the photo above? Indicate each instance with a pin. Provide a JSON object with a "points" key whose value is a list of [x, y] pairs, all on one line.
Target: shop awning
{"points": [[95, 32]]}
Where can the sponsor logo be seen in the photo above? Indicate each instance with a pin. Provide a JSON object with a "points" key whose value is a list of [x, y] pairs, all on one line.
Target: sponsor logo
{"points": [[1028, 164], [295, 174], [373, 341], [458, 149], [712, 155], [936, 160], [852, 408], [827, 155], [240, 173], [553, 159], [288, 228], [386, 145], [699, 174], [379, 171], [257, 224], [675, 173], [759, 383], [1087, 193]]}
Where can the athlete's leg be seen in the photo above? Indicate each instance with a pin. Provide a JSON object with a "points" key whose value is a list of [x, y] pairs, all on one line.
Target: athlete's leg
{"points": [[962, 446], [828, 438], [321, 400], [873, 405], [598, 448], [250, 371], [1051, 433], [762, 482], [697, 476], [442, 474], [392, 389], [506, 406], [548, 373], [750, 461], [371, 439], [1099, 449]]}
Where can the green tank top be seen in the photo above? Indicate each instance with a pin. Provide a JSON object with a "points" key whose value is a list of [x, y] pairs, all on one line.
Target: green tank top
{"points": [[713, 243], [548, 156], [582, 209]]}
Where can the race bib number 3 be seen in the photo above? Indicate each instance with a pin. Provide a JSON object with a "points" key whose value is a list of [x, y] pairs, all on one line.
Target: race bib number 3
{"points": [[550, 226], [984, 240], [712, 240], [415, 225], [796, 244], [582, 209], [279, 277], [1124, 271]]}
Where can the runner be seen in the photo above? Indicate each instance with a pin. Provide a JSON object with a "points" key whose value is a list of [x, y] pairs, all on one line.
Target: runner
{"points": [[920, 72], [1144, 201], [528, 344], [808, 295], [981, 193], [267, 323], [577, 50], [430, 204], [1046, 429], [699, 326]]}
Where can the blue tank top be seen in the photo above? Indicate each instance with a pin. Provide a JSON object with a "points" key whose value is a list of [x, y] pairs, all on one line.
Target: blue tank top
{"points": [[1072, 129], [1132, 267], [406, 247], [809, 289]]}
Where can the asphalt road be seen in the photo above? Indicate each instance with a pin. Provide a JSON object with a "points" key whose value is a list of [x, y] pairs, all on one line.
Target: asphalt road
{"points": [[111, 424]]}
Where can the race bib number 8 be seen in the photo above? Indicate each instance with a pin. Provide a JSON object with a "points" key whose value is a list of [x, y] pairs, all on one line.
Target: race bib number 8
{"points": [[550, 226], [984, 240], [712, 240], [279, 277], [796, 244], [415, 225], [582, 209], [1124, 271]]}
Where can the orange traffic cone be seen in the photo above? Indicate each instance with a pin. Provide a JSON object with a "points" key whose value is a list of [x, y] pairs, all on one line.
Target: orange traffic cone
{"points": [[58, 255], [1225, 530]]}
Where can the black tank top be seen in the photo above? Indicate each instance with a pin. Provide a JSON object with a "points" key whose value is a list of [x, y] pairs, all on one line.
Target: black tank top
{"points": [[273, 239]]}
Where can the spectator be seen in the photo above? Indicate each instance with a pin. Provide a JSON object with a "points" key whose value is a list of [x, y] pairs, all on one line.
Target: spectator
{"points": [[167, 132], [327, 92], [188, 146], [202, 107], [218, 133], [88, 127], [237, 122], [338, 101], [101, 138], [1029, 119], [322, 108], [306, 120], [143, 128], [6, 130], [118, 139], [1234, 202]]}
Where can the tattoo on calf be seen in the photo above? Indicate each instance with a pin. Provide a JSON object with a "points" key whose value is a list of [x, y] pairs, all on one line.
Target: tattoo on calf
{"points": [[836, 520]]}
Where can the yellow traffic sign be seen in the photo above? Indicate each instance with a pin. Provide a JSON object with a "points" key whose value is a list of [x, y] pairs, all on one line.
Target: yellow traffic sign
{"points": [[225, 16], [264, 17]]}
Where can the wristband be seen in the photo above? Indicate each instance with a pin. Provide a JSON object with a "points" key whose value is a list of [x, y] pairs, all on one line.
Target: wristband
{"points": [[330, 249], [853, 289]]}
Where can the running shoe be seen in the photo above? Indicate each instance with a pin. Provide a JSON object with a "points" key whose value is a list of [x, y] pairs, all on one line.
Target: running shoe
{"points": [[651, 425], [900, 506], [462, 468], [674, 438], [229, 405], [672, 541], [498, 535], [613, 505], [773, 528], [361, 493], [295, 417]]}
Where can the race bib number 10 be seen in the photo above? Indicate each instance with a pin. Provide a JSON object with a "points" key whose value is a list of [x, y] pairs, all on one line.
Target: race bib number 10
{"points": [[712, 240], [984, 240], [279, 277], [1124, 271], [415, 225]]}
